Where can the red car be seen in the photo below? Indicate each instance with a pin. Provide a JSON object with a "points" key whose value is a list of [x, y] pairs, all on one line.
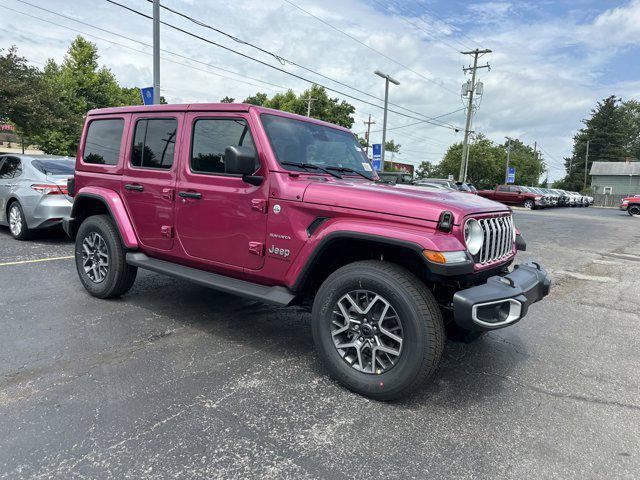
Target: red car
{"points": [[631, 205], [514, 195], [287, 210]]}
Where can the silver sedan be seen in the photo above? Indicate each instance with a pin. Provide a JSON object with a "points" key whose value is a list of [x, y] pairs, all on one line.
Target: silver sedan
{"points": [[33, 192]]}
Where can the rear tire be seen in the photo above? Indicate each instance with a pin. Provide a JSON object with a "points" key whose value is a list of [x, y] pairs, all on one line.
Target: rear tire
{"points": [[17, 224], [100, 258], [633, 210], [414, 316]]}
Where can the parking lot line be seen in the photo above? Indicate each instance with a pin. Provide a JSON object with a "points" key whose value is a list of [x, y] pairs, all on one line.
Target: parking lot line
{"points": [[50, 259]]}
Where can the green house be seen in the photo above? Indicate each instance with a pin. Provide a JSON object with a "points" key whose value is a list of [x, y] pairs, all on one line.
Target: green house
{"points": [[615, 178]]}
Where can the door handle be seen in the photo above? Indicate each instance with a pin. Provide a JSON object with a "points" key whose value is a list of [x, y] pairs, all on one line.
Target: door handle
{"points": [[195, 195], [133, 186]]}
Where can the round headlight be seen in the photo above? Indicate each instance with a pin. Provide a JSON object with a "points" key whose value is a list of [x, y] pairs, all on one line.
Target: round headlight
{"points": [[473, 236]]}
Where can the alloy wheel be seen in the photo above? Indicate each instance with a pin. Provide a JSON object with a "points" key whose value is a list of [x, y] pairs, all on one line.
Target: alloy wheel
{"points": [[528, 204], [634, 210], [367, 332], [95, 257], [15, 220]]}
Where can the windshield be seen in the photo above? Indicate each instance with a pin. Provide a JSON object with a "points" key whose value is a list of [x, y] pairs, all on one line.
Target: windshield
{"points": [[298, 141], [55, 167]]}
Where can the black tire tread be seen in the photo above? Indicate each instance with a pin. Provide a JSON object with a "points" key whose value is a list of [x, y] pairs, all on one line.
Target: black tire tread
{"points": [[25, 233], [427, 308], [125, 274]]}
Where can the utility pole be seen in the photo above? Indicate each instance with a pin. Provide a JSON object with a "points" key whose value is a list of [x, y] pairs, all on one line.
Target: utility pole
{"points": [[465, 144], [366, 135], [506, 173], [586, 165], [156, 52], [309, 99], [387, 79]]}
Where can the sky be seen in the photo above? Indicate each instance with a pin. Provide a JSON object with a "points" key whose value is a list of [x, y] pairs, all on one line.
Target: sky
{"points": [[551, 61]]}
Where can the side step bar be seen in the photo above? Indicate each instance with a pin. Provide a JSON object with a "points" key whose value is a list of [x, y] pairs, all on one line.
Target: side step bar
{"points": [[273, 295]]}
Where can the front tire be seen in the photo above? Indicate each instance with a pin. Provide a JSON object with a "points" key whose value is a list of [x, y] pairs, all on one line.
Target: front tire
{"points": [[17, 224], [100, 259], [378, 329], [633, 210], [528, 204]]}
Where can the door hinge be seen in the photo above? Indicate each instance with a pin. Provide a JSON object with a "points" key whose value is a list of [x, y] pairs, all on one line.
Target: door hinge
{"points": [[259, 204], [166, 231], [257, 248]]}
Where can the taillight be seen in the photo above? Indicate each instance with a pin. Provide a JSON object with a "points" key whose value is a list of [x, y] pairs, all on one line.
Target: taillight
{"points": [[50, 189]]}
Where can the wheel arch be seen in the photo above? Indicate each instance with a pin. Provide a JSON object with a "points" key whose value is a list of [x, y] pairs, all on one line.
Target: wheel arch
{"points": [[92, 202], [342, 247]]}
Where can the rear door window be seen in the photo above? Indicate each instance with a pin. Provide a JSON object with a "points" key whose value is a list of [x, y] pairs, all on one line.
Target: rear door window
{"points": [[11, 168], [102, 146], [154, 143]]}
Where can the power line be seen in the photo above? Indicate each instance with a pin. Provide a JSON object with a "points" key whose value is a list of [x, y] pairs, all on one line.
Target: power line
{"points": [[142, 43], [284, 60], [420, 122], [300, 77], [370, 47], [120, 45]]}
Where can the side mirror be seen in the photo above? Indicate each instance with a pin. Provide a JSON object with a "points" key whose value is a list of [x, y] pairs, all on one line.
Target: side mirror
{"points": [[239, 160], [242, 160]]}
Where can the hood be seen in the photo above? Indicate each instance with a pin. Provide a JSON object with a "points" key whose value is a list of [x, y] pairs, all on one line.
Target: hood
{"points": [[402, 200]]}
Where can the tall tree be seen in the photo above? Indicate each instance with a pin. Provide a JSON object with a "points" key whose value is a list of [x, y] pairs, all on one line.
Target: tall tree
{"points": [[487, 163], [26, 100], [391, 146], [80, 85], [322, 107], [611, 137]]}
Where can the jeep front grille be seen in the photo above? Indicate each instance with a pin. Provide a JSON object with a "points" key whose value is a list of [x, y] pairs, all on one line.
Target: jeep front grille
{"points": [[498, 238]]}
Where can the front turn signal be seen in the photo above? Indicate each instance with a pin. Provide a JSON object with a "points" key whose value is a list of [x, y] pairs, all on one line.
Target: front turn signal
{"points": [[445, 257]]}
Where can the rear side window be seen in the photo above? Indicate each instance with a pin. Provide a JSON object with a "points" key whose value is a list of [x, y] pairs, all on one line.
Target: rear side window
{"points": [[54, 167], [503, 189], [154, 143], [102, 146], [211, 136], [11, 168]]}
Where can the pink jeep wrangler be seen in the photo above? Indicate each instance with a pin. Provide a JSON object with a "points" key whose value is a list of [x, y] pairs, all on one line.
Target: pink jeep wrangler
{"points": [[287, 210]]}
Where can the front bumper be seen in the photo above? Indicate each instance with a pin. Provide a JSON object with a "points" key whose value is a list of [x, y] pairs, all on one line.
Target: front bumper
{"points": [[624, 207], [502, 300]]}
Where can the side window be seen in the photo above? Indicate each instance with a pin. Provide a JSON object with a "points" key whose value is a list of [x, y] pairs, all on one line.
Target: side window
{"points": [[11, 168], [154, 143], [102, 145], [211, 136], [503, 189]]}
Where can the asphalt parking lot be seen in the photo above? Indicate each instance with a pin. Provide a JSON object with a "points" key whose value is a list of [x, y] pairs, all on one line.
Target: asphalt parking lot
{"points": [[174, 380]]}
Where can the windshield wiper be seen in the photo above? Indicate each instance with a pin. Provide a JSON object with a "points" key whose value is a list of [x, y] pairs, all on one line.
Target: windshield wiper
{"points": [[312, 166], [349, 170]]}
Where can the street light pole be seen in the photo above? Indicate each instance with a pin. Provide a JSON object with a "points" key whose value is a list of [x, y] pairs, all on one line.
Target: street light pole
{"points": [[387, 79], [156, 52]]}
